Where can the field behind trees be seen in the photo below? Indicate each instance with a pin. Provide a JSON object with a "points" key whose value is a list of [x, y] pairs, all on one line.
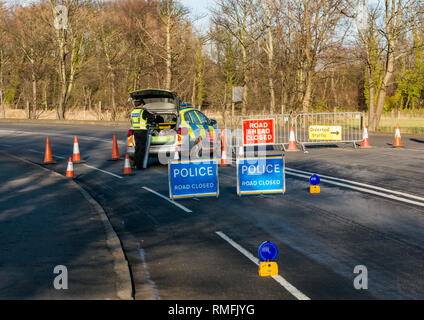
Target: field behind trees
{"points": [[75, 59]]}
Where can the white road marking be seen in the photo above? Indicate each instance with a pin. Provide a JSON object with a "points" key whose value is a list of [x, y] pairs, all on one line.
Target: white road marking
{"points": [[52, 134], [34, 151], [407, 195], [107, 172], [84, 164], [146, 270], [283, 282], [391, 194], [350, 186], [167, 199], [39, 152]]}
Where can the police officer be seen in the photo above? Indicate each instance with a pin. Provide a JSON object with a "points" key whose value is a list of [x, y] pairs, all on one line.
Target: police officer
{"points": [[140, 118]]}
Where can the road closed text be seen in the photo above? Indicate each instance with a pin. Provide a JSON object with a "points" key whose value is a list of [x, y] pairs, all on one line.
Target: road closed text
{"points": [[258, 132]]}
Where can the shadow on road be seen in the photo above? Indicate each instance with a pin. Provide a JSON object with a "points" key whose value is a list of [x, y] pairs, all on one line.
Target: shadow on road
{"points": [[416, 140]]}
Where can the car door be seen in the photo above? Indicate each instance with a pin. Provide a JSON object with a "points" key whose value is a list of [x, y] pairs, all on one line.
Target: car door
{"points": [[195, 125], [209, 130]]}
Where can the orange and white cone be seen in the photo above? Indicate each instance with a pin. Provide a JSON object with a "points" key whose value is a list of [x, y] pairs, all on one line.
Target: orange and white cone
{"points": [[292, 141], [115, 152], [398, 140], [365, 141], [127, 166], [224, 156], [48, 158], [241, 151], [176, 154], [76, 157], [70, 169]]}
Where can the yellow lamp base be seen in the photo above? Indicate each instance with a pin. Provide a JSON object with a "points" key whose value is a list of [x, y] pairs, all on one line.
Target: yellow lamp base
{"points": [[315, 189], [268, 269]]}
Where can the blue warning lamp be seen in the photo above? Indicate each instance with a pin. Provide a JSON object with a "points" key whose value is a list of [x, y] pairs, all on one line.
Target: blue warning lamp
{"points": [[268, 251], [314, 180]]}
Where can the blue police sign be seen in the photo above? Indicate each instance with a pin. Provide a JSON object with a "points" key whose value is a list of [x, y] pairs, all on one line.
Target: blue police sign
{"points": [[193, 178], [260, 175], [268, 251], [314, 180]]}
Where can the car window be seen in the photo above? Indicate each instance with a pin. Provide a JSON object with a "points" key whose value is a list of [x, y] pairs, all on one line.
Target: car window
{"points": [[202, 117], [187, 118], [194, 117]]}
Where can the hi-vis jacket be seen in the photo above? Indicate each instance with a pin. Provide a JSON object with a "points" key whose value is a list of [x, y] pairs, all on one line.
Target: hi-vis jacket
{"points": [[137, 121]]}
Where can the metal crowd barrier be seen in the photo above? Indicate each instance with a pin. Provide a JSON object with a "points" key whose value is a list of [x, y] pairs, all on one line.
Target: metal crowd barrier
{"points": [[329, 128]]}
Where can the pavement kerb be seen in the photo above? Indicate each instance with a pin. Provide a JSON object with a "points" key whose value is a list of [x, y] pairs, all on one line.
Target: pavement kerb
{"points": [[120, 263]]}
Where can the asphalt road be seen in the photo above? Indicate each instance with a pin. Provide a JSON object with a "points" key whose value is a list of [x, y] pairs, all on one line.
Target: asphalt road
{"points": [[203, 252], [45, 225]]}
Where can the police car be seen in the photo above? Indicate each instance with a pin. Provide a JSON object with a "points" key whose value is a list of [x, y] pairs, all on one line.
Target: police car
{"points": [[174, 124]]}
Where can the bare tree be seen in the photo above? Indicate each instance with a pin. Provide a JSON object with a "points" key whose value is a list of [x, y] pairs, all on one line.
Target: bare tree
{"points": [[381, 33], [71, 40], [269, 49], [27, 32], [2, 58], [318, 23], [238, 18]]}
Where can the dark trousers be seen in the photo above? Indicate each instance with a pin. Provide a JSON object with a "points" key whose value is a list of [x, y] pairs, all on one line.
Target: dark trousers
{"points": [[140, 137]]}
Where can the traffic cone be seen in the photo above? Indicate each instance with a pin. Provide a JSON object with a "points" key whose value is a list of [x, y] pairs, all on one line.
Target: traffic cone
{"points": [[70, 169], [224, 158], [127, 166], [115, 152], [241, 151], [292, 141], [365, 141], [76, 157], [398, 141], [176, 153], [48, 158]]}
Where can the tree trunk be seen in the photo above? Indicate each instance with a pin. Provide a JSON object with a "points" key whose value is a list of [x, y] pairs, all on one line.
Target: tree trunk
{"points": [[3, 109], [384, 86], [308, 94], [270, 49], [371, 103], [283, 93], [113, 96], [34, 94], [245, 81], [28, 109], [61, 108], [168, 55], [193, 93]]}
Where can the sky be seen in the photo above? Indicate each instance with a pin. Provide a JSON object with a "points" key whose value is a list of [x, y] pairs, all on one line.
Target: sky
{"points": [[200, 9]]}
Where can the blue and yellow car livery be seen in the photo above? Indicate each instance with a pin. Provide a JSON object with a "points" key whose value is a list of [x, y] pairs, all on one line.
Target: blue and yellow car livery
{"points": [[180, 121]]}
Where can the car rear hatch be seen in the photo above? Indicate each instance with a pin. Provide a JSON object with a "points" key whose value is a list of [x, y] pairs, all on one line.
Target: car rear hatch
{"points": [[161, 102], [158, 101]]}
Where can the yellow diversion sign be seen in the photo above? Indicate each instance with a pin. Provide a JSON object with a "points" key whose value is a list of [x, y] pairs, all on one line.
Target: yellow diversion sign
{"points": [[325, 133]]}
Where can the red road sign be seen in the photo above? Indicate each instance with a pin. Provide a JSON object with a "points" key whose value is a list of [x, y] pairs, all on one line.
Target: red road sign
{"points": [[258, 132]]}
